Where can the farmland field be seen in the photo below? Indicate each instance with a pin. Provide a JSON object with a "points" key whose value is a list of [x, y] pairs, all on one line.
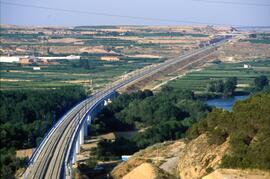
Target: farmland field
{"points": [[197, 80], [134, 48], [88, 72]]}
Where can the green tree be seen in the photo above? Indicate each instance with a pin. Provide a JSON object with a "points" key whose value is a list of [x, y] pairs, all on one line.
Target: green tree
{"points": [[230, 86], [260, 82], [247, 128], [215, 86], [26, 115], [225, 87]]}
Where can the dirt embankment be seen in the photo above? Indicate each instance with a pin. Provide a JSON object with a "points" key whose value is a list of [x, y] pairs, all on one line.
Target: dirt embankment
{"points": [[178, 68], [146, 171], [182, 159], [238, 174], [199, 156], [159, 156], [240, 51]]}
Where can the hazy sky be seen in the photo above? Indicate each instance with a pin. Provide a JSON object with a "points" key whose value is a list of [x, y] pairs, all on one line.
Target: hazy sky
{"points": [[186, 10]]}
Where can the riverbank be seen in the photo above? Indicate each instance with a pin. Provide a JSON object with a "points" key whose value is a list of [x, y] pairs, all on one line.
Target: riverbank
{"points": [[225, 103]]}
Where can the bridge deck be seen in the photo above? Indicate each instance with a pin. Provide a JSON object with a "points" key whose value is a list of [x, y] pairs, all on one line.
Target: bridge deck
{"points": [[49, 159]]}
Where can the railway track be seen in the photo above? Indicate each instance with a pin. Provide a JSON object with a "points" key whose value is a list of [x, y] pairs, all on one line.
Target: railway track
{"points": [[50, 158]]}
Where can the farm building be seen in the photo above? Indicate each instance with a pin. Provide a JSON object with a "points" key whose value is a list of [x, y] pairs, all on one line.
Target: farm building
{"points": [[247, 66]]}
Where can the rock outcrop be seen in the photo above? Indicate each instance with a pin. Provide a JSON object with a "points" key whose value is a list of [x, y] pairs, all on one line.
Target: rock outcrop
{"points": [[199, 157], [144, 171], [163, 156], [181, 159]]}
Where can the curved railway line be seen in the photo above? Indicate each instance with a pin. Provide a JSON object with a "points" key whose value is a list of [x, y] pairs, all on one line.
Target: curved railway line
{"points": [[53, 158]]}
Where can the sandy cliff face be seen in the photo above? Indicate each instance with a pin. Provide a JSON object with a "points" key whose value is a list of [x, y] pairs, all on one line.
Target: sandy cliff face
{"points": [[181, 159], [163, 156], [238, 174], [198, 157], [146, 171]]}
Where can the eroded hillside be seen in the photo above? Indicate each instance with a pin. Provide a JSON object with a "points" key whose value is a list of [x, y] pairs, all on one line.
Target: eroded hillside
{"points": [[217, 143]]}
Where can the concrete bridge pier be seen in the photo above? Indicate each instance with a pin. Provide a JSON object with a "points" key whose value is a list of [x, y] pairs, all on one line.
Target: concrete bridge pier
{"points": [[89, 119], [86, 124], [74, 157], [81, 135], [105, 103], [77, 147], [83, 131], [85, 128]]}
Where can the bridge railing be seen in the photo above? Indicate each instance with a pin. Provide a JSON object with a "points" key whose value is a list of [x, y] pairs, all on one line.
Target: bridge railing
{"points": [[72, 143], [53, 128]]}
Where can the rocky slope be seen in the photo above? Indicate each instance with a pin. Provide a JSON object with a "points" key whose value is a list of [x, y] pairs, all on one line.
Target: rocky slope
{"points": [[238, 174], [147, 170], [182, 159], [199, 157], [160, 156]]}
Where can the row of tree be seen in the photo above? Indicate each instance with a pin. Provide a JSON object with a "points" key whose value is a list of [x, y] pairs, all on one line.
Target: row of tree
{"points": [[226, 87], [25, 117]]}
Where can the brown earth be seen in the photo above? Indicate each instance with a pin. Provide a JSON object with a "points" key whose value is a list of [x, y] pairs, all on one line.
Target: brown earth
{"points": [[230, 52], [24, 153], [178, 158], [146, 171], [157, 155], [239, 51], [96, 49], [198, 156], [238, 174], [180, 67], [165, 46], [64, 40], [187, 159]]}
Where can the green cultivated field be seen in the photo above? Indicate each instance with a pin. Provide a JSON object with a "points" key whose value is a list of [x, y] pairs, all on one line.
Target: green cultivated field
{"points": [[68, 73], [260, 41], [197, 80], [260, 38], [90, 71]]}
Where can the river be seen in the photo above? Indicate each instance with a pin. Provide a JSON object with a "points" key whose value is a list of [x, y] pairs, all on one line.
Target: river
{"points": [[225, 103]]}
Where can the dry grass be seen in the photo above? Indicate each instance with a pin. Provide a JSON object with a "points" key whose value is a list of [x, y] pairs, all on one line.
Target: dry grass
{"points": [[24, 153]]}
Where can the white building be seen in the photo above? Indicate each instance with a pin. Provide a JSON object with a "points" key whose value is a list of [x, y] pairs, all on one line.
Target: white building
{"points": [[36, 68], [8, 59], [247, 66]]}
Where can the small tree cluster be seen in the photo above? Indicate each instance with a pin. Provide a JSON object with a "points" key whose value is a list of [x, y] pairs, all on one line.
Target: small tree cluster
{"points": [[226, 87]]}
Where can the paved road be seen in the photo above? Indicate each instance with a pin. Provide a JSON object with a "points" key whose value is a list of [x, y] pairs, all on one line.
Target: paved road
{"points": [[48, 160]]}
